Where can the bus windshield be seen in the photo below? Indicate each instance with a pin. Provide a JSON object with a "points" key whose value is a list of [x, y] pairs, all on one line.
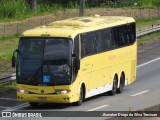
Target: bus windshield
{"points": [[44, 61]]}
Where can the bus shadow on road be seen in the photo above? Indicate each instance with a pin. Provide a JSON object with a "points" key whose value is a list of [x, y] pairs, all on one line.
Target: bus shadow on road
{"points": [[55, 106]]}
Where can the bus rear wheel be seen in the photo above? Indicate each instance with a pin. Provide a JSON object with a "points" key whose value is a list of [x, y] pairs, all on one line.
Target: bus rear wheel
{"points": [[33, 104], [114, 87], [81, 97], [121, 85]]}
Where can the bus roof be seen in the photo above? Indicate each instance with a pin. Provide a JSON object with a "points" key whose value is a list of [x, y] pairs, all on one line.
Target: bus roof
{"points": [[71, 27]]}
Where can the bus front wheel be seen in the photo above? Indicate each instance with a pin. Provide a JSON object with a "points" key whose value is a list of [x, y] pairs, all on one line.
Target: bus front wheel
{"points": [[81, 97]]}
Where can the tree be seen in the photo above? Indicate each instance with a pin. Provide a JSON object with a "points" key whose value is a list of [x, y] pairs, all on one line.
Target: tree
{"points": [[156, 3], [33, 5]]}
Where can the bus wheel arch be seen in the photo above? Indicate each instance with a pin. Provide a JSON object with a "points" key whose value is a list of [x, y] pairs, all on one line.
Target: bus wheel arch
{"points": [[121, 82], [82, 95]]}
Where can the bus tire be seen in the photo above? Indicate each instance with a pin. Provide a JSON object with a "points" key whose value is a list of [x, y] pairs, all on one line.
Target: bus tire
{"points": [[121, 85], [81, 97], [114, 87], [33, 104]]}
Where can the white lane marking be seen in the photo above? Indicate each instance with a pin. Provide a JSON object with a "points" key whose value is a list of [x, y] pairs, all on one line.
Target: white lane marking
{"points": [[4, 98], [17, 107], [140, 93], [4, 107], [140, 51], [98, 107], [148, 62]]}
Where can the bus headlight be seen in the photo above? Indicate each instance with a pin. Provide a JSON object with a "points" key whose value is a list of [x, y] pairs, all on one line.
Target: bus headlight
{"points": [[23, 91], [62, 91]]}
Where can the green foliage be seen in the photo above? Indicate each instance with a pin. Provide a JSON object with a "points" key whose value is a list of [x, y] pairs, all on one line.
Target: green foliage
{"points": [[147, 38], [156, 3], [20, 9], [146, 3], [13, 8], [7, 86], [123, 3]]}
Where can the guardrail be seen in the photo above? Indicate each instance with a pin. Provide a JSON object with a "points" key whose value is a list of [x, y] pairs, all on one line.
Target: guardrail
{"points": [[12, 77], [9, 78], [148, 31]]}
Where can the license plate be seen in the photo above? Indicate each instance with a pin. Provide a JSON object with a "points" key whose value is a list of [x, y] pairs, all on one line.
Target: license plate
{"points": [[42, 98]]}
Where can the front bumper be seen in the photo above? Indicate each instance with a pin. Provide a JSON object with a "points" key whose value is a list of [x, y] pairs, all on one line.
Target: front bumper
{"points": [[54, 98]]}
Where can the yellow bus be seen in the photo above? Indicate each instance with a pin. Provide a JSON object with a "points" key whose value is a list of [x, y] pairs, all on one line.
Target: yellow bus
{"points": [[70, 60]]}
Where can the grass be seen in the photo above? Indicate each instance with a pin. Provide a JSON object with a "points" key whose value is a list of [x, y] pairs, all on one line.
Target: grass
{"points": [[10, 37], [7, 45], [7, 86], [148, 38], [146, 23]]}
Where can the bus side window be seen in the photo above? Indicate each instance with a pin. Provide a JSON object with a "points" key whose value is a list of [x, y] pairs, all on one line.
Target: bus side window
{"points": [[76, 45], [105, 39], [115, 36], [127, 33], [83, 46], [121, 41], [90, 44], [86, 45], [94, 38], [132, 33]]}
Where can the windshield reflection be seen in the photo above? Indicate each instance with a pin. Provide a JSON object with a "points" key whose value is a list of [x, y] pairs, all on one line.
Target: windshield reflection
{"points": [[44, 61]]}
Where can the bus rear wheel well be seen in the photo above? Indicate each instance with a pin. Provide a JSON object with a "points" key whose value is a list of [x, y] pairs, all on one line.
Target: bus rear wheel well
{"points": [[84, 89], [121, 83], [116, 75], [123, 74]]}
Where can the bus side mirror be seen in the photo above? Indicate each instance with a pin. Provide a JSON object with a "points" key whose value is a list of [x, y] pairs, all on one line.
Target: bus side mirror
{"points": [[14, 58], [13, 61]]}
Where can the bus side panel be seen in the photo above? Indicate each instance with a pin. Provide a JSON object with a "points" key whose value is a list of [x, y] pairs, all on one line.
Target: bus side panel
{"points": [[133, 64], [100, 71], [85, 72], [123, 60]]}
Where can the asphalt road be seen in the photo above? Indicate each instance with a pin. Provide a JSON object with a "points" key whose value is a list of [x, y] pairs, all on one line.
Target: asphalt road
{"points": [[141, 94]]}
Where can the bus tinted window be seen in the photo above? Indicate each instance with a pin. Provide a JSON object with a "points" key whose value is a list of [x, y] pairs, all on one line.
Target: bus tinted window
{"points": [[123, 40], [132, 36], [115, 37], [94, 38], [86, 46], [90, 44], [105, 39], [123, 35], [76, 45]]}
